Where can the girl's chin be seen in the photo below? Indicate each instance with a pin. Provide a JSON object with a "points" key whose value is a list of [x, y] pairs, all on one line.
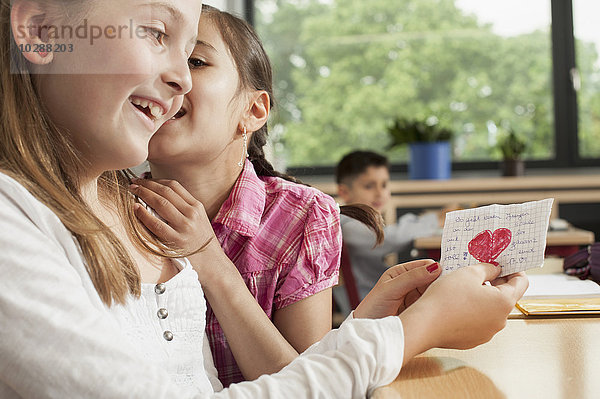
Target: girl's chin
{"points": [[134, 158], [162, 147], [158, 157]]}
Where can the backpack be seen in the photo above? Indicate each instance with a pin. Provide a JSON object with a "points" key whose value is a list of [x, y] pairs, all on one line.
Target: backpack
{"points": [[584, 263]]}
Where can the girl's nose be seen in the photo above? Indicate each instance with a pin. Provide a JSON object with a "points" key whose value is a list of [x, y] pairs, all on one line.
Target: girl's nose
{"points": [[178, 76]]}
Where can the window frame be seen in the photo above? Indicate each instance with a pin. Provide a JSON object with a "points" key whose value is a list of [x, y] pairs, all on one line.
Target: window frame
{"points": [[566, 140]]}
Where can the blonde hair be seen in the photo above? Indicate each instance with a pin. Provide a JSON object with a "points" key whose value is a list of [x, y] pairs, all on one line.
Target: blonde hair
{"points": [[34, 152]]}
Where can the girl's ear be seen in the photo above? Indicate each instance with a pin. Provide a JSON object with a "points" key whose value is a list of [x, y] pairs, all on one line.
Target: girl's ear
{"points": [[258, 112], [27, 23]]}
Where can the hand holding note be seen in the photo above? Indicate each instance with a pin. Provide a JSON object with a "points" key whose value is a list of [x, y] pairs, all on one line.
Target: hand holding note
{"points": [[510, 236]]}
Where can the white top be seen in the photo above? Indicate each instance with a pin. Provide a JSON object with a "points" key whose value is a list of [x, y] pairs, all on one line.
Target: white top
{"points": [[367, 261], [58, 339], [166, 326]]}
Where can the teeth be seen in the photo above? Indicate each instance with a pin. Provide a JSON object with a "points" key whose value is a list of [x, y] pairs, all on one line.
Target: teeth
{"points": [[155, 109]]}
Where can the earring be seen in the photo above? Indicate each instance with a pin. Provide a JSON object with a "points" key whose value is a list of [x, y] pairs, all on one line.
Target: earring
{"points": [[245, 149]]}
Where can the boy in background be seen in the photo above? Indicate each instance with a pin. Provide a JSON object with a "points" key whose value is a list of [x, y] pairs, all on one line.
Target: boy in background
{"points": [[363, 177]]}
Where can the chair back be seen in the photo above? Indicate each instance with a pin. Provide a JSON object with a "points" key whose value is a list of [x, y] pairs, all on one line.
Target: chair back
{"points": [[348, 277]]}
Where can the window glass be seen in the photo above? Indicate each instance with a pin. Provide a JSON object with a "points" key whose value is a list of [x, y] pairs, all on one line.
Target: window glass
{"points": [[587, 46], [345, 69]]}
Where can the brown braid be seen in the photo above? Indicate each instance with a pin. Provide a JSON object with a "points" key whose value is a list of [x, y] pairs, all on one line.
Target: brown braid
{"points": [[257, 157]]}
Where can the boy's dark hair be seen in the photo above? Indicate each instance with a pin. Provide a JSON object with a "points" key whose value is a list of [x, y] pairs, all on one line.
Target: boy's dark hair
{"points": [[356, 163]]}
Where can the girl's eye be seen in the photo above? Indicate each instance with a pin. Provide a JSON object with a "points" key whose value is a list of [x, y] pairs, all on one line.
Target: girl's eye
{"points": [[157, 34], [196, 63]]}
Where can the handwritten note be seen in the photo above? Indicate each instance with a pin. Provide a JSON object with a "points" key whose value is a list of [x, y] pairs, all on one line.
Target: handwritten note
{"points": [[510, 236]]}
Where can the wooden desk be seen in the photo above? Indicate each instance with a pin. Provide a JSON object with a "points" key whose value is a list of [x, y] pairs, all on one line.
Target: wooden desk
{"points": [[530, 358], [559, 243]]}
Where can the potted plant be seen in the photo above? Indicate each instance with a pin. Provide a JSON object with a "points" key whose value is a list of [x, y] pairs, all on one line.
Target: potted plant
{"points": [[429, 147], [512, 148]]}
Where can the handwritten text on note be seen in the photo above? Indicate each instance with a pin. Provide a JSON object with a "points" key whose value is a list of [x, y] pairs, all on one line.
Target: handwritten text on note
{"points": [[510, 236]]}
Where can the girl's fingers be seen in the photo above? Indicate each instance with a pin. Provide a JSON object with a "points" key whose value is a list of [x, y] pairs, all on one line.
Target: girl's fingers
{"points": [[422, 289], [401, 268], [164, 191], [179, 189], [411, 297], [176, 194], [483, 271], [417, 263], [499, 280], [163, 206], [159, 228], [414, 279], [514, 286]]}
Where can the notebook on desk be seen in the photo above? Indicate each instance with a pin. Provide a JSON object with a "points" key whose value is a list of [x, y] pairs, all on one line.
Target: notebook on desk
{"points": [[552, 294]]}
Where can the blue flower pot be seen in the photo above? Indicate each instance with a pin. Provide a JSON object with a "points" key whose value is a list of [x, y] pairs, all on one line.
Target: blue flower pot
{"points": [[430, 160]]}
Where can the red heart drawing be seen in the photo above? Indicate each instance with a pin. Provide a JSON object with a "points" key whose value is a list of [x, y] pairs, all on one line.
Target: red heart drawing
{"points": [[487, 246]]}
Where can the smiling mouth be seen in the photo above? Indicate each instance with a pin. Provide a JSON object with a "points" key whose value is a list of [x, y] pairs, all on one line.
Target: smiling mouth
{"points": [[152, 110]]}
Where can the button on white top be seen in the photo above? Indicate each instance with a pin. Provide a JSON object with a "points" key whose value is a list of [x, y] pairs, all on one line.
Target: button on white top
{"points": [[159, 288], [162, 313]]}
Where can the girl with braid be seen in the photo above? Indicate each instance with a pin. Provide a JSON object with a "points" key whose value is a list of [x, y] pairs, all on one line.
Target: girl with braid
{"points": [[284, 237]]}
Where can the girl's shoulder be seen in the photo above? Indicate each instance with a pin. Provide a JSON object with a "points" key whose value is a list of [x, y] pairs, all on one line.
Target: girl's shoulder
{"points": [[18, 202], [11, 189], [7, 183], [301, 193]]}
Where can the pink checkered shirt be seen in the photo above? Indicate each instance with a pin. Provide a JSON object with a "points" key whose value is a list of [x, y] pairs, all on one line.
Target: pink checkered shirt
{"points": [[285, 240]]}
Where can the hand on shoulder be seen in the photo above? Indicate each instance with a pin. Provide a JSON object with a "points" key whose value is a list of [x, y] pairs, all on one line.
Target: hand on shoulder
{"points": [[181, 222]]}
